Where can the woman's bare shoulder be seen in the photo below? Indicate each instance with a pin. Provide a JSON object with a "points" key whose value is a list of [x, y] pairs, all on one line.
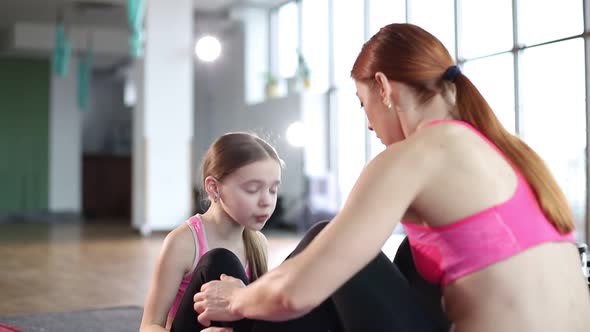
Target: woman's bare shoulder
{"points": [[426, 148]]}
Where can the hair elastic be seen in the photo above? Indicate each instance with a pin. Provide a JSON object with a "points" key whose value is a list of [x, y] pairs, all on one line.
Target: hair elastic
{"points": [[451, 73]]}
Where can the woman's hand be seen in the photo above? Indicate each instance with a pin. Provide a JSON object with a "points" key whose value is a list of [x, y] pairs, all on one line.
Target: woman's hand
{"points": [[214, 300]]}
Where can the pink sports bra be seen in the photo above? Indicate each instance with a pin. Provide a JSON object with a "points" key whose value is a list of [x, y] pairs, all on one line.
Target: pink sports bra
{"points": [[196, 226], [444, 254]]}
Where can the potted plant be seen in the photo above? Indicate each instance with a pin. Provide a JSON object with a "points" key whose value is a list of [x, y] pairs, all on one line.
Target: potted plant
{"points": [[303, 71], [271, 87]]}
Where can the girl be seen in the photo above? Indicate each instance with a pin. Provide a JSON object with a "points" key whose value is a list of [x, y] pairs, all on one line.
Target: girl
{"points": [[241, 177]]}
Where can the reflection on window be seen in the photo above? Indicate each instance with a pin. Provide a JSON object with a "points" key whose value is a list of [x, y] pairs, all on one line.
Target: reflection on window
{"points": [[351, 139], [348, 37], [315, 41], [436, 17], [542, 20], [553, 116], [287, 39], [384, 12], [494, 78], [477, 37]]}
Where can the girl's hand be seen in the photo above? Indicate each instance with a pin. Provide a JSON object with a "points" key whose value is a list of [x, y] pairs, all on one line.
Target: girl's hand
{"points": [[213, 302]]}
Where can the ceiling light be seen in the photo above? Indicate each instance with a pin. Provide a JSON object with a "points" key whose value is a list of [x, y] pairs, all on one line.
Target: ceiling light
{"points": [[208, 48]]}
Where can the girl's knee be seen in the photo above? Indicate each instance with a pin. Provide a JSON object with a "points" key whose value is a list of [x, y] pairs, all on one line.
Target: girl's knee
{"points": [[219, 255]]}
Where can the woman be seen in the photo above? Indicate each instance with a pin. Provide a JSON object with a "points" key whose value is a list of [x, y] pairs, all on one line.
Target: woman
{"points": [[484, 216]]}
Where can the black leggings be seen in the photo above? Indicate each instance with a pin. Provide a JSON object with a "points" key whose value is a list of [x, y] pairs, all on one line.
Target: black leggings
{"points": [[378, 298]]}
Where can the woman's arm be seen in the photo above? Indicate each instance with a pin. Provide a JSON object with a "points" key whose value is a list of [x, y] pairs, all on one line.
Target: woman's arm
{"points": [[383, 192], [169, 271]]}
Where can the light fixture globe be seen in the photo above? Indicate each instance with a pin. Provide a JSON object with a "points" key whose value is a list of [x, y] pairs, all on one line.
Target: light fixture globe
{"points": [[208, 48]]}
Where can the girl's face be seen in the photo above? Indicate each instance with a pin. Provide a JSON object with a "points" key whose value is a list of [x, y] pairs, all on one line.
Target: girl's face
{"points": [[382, 119], [249, 195]]}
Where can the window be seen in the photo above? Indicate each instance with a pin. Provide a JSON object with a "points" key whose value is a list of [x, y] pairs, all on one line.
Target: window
{"points": [[350, 139], [287, 39], [543, 20], [375, 145], [494, 78], [485, 27], [436, 17], [384, 12], [348, 37], [553, 115], [315, 42], [349, 119]]}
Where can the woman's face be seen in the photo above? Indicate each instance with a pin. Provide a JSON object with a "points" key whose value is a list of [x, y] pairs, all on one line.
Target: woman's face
{"points": [[382, 119]]}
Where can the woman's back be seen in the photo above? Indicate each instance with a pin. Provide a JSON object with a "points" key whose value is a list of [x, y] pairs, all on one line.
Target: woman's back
{"points": [[540, 289], [537, 286]]}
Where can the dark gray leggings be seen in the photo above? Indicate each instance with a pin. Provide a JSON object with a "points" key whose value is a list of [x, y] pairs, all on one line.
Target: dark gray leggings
{"points": [[378, 298]]}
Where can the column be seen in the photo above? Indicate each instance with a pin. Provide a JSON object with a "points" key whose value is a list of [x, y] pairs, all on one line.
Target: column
{"points": [[65, 144], [163, 118]]}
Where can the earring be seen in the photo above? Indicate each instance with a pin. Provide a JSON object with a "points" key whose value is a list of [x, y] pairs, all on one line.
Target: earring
{"points": [[387, 103]]}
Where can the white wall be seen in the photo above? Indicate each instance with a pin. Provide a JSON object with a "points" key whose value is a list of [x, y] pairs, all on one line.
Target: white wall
{"points": [[139, 154], [65, 193], [271, 120], [308, 163], [219, 89]]}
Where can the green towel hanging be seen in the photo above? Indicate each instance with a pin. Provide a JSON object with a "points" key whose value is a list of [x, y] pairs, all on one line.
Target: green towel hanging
{"points": [[84, 76], [135, 15], [61, 51]]}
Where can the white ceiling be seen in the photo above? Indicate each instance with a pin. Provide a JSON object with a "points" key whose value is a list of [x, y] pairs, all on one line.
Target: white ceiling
{"points": [[102, 13], [223, 4], [98, 12]]}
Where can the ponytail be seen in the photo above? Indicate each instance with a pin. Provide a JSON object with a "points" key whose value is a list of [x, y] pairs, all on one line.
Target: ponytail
{"points": [[255, 254], [474, 109]]}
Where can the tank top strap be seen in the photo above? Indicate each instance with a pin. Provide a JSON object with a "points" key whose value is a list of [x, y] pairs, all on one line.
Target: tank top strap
{"points": [[197, 225]]}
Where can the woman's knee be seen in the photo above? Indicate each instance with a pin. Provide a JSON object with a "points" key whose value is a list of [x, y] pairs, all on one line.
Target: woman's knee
{"points": [[309, 236], [316, 229]]}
